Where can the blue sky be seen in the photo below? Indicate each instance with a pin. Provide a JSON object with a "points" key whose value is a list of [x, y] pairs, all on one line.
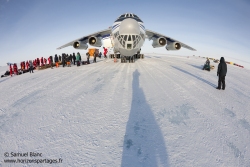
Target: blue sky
{"points": [[31, 29]]}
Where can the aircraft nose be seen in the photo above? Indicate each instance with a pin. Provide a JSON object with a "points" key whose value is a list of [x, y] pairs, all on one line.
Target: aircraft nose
{"points": [[129, 26]]}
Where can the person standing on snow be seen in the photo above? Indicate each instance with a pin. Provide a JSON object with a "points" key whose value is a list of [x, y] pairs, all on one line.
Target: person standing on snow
{"points": [[27, 65], [15, 69], [31, 66], [56, 61], [38, 62], [41, 61], [221, 72], [74, 58], [105, 51], [11, 72], [63, 59], [78, 59], [48, 60], [87, 55], [51, 62], [70, 58], [34, 63], [45, 61]]}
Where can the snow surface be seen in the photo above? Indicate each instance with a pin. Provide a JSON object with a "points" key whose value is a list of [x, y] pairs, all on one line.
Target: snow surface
{"points": [[159, 111]]}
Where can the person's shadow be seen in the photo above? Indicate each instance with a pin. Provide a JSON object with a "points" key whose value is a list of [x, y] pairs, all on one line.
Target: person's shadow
{"points": [[144, 144]]}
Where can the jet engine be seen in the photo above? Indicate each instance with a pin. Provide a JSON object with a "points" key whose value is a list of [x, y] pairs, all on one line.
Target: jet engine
{"points": [[80, 45], [95, 41], [173, 46], [159, 42]]}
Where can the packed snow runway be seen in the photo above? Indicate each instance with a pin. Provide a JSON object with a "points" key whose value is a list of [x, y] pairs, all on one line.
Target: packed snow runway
{"points": [[158, 111]]}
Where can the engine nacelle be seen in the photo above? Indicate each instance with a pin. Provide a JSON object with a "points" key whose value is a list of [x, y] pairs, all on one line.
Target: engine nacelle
{"points": [[95, 41], [80, 45], [159, 42], [173, 46]]}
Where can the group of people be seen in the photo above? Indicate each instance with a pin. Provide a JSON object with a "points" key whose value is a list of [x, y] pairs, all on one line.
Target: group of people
{"points": [[30, 65], [65, 60], [13, 70]]}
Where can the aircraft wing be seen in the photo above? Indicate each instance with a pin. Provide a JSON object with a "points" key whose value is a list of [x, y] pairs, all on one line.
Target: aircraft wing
{"points": [[151, 34], [102, 34]]}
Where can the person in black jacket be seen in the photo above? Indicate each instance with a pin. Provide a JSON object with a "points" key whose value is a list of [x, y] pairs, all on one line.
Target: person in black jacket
{"points": [[63, 59], [87, 55], [221, 72], [74, 58], [56, 61], [51, 62], [80, 58], [70, 58]]}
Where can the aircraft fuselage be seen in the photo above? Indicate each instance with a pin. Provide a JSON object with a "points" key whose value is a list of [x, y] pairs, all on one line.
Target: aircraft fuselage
{"points": [[127, 36]]}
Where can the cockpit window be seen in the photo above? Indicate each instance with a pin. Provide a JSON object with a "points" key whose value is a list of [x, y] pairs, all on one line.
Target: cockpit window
{"points": [[129, 46], [136, 16], [129, 41], [125, 38], [133, 37], [128, 15], [129, 38]]}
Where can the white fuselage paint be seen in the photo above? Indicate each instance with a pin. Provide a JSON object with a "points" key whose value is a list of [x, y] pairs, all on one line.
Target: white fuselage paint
{"points": [[127, 36]]}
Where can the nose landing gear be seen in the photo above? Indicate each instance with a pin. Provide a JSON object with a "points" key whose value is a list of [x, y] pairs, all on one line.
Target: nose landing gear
{"points": [[125, 59]]}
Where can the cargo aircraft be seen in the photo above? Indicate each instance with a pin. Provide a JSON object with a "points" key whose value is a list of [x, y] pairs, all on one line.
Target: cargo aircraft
{"points": [[127, 36]]}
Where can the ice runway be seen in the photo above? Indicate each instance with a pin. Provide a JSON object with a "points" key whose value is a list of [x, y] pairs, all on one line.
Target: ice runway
{"points": [[158, 111]]}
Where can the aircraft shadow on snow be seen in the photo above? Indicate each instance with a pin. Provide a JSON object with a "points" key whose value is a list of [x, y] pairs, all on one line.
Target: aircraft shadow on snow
{"points": [[199, 78], [144, 144]]}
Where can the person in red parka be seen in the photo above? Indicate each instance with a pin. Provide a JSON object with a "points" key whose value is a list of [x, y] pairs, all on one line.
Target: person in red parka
{"points": [[38, 62], [49, 60], [45, 61], [34, 63], [15, 68], [21, 64], [11, 70], [41, 61], [105, 51], [27, 65]]}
